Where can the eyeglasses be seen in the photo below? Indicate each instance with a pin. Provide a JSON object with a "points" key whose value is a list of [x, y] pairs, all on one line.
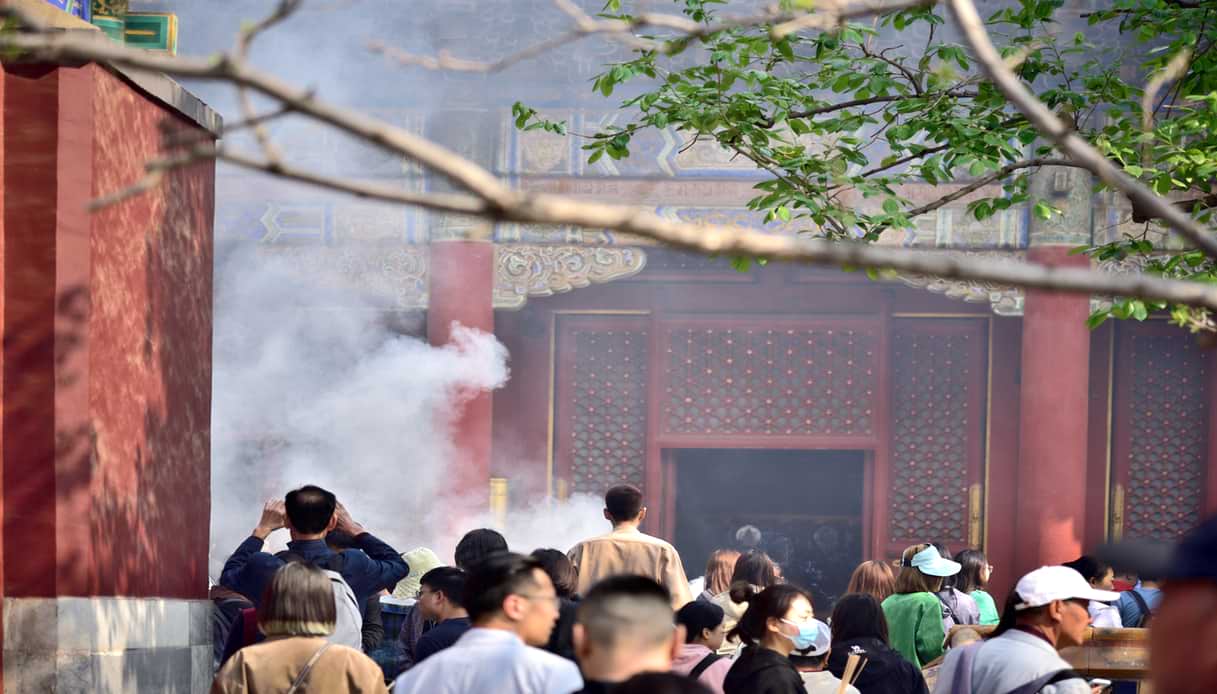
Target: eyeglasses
{"points": [[552, 599]]}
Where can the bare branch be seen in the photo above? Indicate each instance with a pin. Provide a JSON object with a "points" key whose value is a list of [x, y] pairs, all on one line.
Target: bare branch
{"points": [[439, 202], [1069, 142], [988, 179], [735, 240], [829, 15], [245, 39], [494, 200]]}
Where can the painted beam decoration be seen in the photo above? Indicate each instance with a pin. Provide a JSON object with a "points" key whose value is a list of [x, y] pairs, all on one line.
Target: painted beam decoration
{"points": [[153, 31], [76, 8]]}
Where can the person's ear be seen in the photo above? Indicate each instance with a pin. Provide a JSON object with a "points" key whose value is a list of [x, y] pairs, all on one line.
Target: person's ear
{"points": [[642, 515], [580, 642], [679, 634], [332, 524], [705, 634], [608, 516], [512, 608], [1056, 610]]}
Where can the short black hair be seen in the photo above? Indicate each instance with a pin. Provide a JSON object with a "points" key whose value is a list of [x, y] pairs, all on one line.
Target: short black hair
{"points": [[489, 581], [627, 609], [478, 544], [310, 508], [697, 616], [1091, 568], [623, 502], [808, 660], [448, 580], [562, 571]]}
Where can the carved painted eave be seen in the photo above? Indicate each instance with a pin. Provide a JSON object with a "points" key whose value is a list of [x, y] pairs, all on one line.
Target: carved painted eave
{"points": [[1002, 299], [397, 276], [522, 271]]}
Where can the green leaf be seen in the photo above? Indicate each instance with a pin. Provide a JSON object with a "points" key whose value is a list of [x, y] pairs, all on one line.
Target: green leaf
{"points": [[1098, 318], [1043, 210]]}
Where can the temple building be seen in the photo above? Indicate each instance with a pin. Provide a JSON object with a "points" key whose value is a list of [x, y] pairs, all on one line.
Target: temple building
{"points": [[846, 417]]}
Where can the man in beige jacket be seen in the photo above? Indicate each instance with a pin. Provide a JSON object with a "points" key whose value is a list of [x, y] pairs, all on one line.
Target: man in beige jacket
{"points": [[627, 550]]}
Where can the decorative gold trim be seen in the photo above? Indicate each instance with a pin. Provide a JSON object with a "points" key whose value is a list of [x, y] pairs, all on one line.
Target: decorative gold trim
{"points": [[1111, 387], [975, 515], [1117, 513], [984, 544], [523, 270], [555, 486], [498, 501]]}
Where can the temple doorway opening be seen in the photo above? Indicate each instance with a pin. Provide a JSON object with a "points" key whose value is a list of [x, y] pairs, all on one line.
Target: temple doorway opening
{"points": [[807, 504]]}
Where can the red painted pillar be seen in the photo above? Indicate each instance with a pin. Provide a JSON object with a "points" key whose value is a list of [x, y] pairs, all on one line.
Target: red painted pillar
{"points": [[1051, 517], [461, 288]]}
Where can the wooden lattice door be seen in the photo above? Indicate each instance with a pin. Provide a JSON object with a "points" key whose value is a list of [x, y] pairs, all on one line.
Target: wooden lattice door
{"points": [[1160, 433]]}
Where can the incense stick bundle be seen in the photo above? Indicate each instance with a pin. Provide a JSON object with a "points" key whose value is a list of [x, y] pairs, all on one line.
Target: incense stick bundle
{"points": [[847, 677], [858, 672]]}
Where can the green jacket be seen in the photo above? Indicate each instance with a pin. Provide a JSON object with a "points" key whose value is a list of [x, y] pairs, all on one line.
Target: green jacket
{"points": [[914, 626], [988, 608]]}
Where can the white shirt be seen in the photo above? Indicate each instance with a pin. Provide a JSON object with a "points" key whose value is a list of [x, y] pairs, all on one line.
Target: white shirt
{"points": [[1104, 616], [490, 660]]}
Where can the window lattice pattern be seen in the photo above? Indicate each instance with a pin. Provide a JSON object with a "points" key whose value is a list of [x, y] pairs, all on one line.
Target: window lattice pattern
{"points": [[931, 424], [782, 382], [609, 410], [1167, 444]]}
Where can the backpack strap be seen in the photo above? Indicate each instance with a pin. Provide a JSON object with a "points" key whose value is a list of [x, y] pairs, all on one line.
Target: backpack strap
{"points": [[1141, 605], [703, 665], [1043, 681], [308, 668]]}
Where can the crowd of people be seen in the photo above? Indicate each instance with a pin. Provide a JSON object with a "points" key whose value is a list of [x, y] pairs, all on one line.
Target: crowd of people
{"points": [[617, 613]]}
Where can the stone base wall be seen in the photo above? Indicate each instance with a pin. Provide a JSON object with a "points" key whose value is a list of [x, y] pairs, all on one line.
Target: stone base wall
{"points": [[105, 645]]}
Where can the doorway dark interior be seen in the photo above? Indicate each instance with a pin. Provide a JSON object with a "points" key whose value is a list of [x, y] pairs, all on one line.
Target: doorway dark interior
{"points": [[807, 505]]}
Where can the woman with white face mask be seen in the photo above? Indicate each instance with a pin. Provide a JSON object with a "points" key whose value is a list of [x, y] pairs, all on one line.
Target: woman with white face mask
{"points": [[778, 620]]}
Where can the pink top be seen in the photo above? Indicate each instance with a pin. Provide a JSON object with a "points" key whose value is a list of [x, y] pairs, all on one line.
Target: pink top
{"points": [[690, 655]]}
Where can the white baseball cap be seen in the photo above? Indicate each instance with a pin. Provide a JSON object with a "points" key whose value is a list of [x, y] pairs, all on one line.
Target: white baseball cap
{"points": [[931, 563], [1049, 583]]}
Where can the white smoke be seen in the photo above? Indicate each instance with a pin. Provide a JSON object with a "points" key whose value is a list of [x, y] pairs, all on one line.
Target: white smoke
{"points": [[304, 393]]}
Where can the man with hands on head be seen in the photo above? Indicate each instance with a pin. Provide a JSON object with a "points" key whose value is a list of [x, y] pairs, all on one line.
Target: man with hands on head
{"points": [[309, 513]]}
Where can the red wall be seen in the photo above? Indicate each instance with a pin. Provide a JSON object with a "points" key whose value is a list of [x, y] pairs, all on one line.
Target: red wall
{"points": [[107, 356]]}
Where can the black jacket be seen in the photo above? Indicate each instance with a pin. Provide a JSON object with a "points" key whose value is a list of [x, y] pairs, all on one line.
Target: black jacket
{"points": [[561, 640], [762, 671], [886, 671]]}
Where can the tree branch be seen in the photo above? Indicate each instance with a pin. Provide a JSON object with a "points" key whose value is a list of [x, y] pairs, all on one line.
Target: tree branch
{"points": [[1068, 141], [490, 198], [988, 179]]}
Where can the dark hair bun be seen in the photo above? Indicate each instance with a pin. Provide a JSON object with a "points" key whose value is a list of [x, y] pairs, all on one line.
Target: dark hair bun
{"points": [[742, 591]]}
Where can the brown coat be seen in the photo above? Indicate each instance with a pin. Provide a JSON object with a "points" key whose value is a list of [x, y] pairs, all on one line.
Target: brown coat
{"points": [[628, 551], [270, 667]]}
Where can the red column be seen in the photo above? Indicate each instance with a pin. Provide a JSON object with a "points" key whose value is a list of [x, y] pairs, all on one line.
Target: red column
{"points": [[461, 285], [1051, 517]]}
